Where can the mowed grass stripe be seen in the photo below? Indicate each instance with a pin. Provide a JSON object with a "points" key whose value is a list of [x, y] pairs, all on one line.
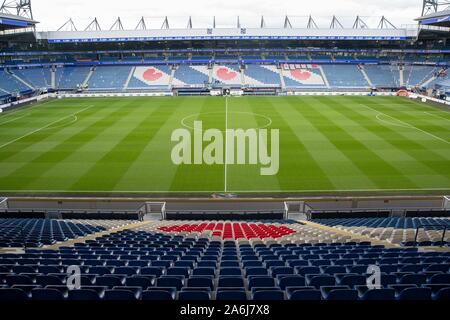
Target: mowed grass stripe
{"points": [[31, 143], [126, 147], [413, 159], [298, 167], [245, 114], [201, 178], [33, 117], [145, 172], [382, 173], [24, 166], [341, 171], [81, 133], [412, 118], [408, 131], [108, 170]]}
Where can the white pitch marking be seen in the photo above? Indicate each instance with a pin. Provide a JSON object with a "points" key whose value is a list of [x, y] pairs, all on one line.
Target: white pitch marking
{"points": [[226, 146], [42, 128], [235, 191], [407, 124], [12, 120], [435, 115]]}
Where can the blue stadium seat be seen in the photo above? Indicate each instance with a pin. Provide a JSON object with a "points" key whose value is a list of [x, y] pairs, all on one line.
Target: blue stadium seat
{"points": [[272, 295], [230, 282], [261, 282], [230, 272], [379, 295], [159, 295], [353, 280], [194, 296], [109, 281], [415, 294], [231, 295], [119, 295], [201, 282], [46, 295], [141, 282], [306, 295], [12, 294], [291, 281], [170, 281], [83, 295], [443, 294], [440, 278], [321, 280], [342, 294]]}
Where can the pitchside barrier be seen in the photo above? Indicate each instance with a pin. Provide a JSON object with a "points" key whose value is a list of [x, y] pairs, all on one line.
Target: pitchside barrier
{"points": [[229, 209], [19, 103]]}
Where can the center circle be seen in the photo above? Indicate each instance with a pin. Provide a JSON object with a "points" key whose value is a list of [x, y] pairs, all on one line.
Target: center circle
{"points": [[216, 120]]}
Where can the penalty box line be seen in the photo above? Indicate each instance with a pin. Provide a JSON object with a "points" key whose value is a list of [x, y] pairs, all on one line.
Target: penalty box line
{"points": [[44, 127], [408, 125]]}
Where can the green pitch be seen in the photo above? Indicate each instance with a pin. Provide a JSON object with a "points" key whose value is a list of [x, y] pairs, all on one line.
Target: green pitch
{"points": [[123, 146]]}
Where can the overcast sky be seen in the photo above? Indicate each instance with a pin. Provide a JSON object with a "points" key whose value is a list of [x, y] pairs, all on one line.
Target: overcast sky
{"points": [[53, 13]]}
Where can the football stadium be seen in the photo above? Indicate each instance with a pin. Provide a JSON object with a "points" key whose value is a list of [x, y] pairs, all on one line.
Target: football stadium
{"points": [[258, 159]]}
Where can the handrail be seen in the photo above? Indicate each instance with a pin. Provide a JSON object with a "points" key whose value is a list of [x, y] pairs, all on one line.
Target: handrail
{"points": [[424, 226]]}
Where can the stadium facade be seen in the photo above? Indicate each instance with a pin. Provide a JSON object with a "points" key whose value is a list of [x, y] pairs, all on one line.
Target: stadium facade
{"points": [[84, 244], [296, 56]]}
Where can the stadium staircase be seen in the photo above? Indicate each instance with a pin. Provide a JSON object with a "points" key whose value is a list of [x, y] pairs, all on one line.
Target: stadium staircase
{"points": [[172, 76], [401, 71], [366, 76], [125, 87], [53, 78], [88, 77], [21, 80], [97, 235], [283, 83], [324, 76]]}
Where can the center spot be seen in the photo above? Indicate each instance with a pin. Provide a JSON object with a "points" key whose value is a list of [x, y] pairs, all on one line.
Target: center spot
{"points": [[236, 120]]}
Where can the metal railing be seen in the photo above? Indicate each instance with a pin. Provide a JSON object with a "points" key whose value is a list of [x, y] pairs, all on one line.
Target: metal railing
{"points": [[425, 226]]}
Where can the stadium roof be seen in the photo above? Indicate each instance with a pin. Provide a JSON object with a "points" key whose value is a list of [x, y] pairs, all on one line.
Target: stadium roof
{"points": [[441, 18], [10, 22], [287, 30]]}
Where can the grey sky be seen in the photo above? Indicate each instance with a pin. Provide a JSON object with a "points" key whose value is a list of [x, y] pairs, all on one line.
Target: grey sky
{"points": [[53, 13]]}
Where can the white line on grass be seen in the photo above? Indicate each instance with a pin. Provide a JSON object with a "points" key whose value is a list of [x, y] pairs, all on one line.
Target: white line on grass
{"points": [[435, 115], [42, 128], [406, 124], [226, 146], [232, 191], [12, 120]]}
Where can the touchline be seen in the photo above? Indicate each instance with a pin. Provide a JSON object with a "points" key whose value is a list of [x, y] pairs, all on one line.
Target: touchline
{"points": [[232, 147]]}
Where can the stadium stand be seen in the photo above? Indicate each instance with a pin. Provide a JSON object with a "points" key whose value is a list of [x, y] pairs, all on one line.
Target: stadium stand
{"points": [[148, 77], [112, 78], [10, 84], [307, 76], [261, 75], [344, 76], [190, 76], [383, 75], [185, 263], [229, 74], [396, 230], [416, 75], [39, 78], [71, 77], [39, 232]]}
